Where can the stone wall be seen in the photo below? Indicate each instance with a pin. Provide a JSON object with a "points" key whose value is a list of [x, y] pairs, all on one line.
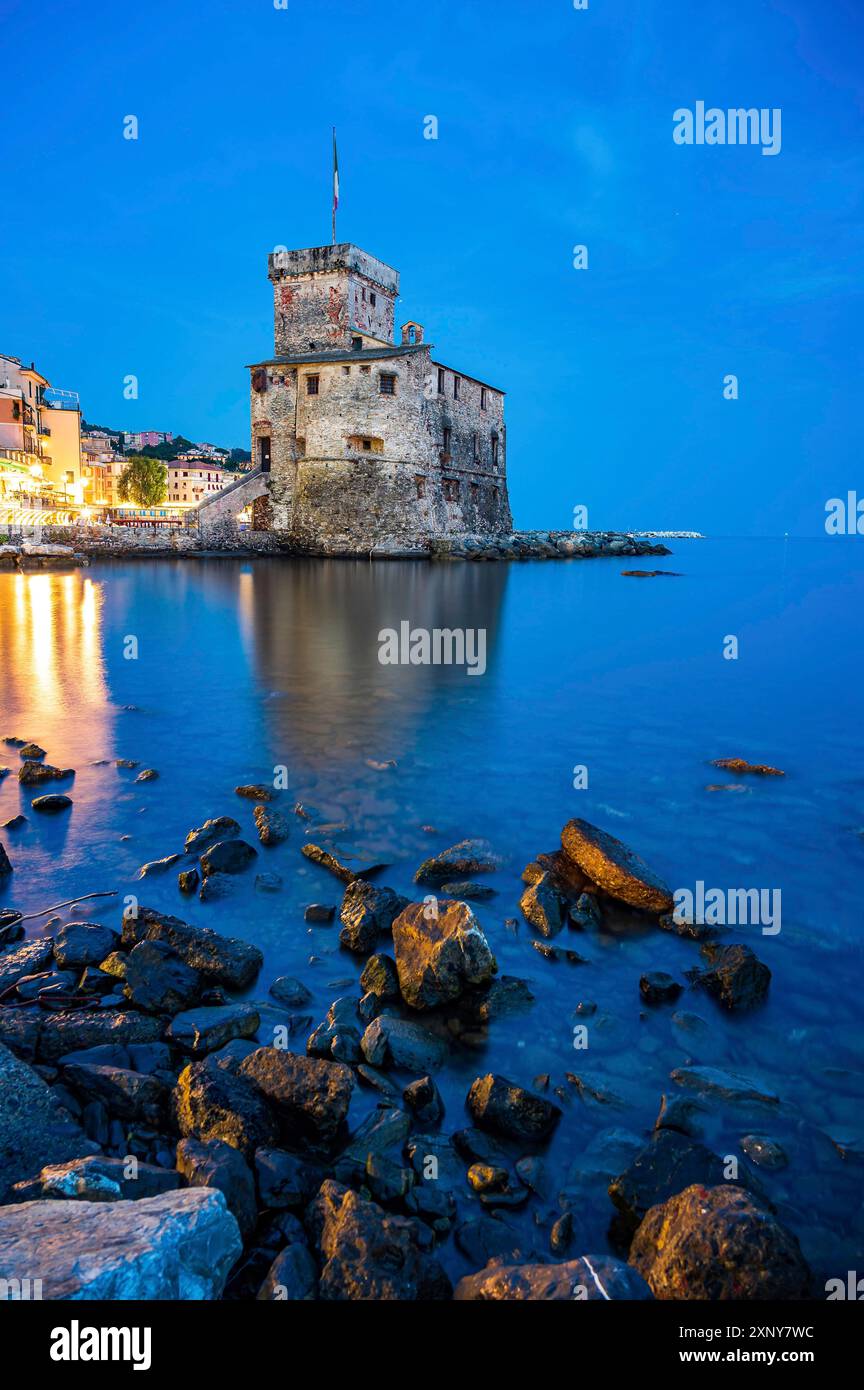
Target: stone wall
{"points": [[320, 294]]}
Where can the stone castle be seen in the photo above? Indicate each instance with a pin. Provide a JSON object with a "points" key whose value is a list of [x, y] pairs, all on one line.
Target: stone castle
{"points": [[364, 443]]}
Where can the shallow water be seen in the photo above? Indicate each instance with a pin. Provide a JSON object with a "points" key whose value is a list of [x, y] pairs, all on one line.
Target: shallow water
{"points": [[246, 666]]}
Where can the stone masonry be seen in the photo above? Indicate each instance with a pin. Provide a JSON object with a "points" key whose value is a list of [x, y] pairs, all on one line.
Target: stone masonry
{"points": [[368, 444]]}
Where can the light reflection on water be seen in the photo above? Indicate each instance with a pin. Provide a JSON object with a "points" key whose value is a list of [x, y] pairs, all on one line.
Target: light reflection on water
{"points": [[246, 666]]}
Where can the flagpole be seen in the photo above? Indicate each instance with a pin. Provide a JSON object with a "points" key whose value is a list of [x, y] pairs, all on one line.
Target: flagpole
{"points": [[335, 185]]}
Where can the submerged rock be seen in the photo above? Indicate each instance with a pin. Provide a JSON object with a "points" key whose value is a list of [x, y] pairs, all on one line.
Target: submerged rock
{"points": [[736, 978], [441, 953], [765, 1153], [668, 1163], [345, 872], [718, 1243], [656, 987], [255, 791], [5, 862], [740, 765], [210, 833], [464, 860], [177, 1246], [227, 857], [506, 1108], [154, 867], [593, 1277], [724, 1085], [613, 866], [272, 826]]}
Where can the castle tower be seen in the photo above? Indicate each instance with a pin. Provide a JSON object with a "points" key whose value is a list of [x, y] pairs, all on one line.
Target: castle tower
{"points": [[329, 298]]}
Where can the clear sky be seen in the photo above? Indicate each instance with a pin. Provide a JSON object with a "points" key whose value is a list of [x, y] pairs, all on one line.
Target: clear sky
{"points": [[555, 129]]}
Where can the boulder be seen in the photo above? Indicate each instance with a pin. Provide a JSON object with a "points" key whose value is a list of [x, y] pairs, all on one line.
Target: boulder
{"points": [[543, 906], [158, 980], [741, 766], [27, 959], [97, 1178], [593, 1277], [222, 960], [424, 1098], [180, 1245], [68, 1031], [5, 862], [83, 943], [439, 954], [502, 1106], [271, 825], [219, 828], [736, 978], [668, 1163], [380, 977], [365, 913], [31, 750], [188, 880], [125, 1094], [718, 1243], [213, 1163], [765, 1153], [155, 867], [33, 773], [396, 1042], [51, 804], [212, 1102], [255, 791], [206, 1029], [656, 987], [464, 860], [466, 888], [292, 1277], [290, 992], [727, 1086], [284, 1180], [371, 1256], [310, 1096], [227, 857], [35, 1129], [319, 913], [617, 870]]}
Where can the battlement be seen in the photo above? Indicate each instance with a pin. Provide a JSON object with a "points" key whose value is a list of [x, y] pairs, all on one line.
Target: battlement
{"points": [[344, 257]]}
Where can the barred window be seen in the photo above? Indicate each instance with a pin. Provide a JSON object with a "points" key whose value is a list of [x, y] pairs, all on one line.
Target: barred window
{"points": [[387, 384], [312, 385]]}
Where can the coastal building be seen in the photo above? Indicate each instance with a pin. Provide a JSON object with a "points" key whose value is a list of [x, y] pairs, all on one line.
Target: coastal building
{"points": [[40, 442], [146, 439], [368, 442], [190, 480]]}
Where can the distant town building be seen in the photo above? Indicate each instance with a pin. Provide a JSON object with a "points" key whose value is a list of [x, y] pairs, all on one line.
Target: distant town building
{"points": [[191, 480], [146, 439], [41, 466]]}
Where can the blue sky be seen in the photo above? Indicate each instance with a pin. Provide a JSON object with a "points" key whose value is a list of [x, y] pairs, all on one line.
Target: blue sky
{"points": [[555, 129]]}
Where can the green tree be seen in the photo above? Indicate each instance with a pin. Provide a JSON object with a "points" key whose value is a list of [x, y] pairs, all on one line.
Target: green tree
{"points": [[144, 481]]}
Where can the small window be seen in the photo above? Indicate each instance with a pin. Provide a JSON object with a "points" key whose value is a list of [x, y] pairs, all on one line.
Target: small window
{"points": [[495, 494], [475, 446], [474, 489], [365, 369], [356, 344], [372, 299], [482, 397], [451, 489], [494, 451], [367, 445], [312, 385], [446, 439], [440, 381], [387, 384], [346, 371], [421, 486], [264, 453], [455, 388]]}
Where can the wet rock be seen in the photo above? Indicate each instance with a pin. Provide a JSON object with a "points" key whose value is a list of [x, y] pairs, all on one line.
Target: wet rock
{"points": [[423, 1097], [371, 1256], [285, 1181], [724, 1085], [30, 751], [319, 912], [487, 1237], [204, 1030], [155, 867], [5, 862], [125, 1094], [69, 1031], [397, 1042], [464, 860], [177, 1246], [158, 980], [216, 887], [561, 1234], [618, 871], [188, 880], [365, 913], [255, 791], [438, 955], [27, 959], [272, 826], [211, 1102], [484, 1177], [345, 872], [585, 914], [210, 833], [83, 943], [14, 822], [765, 1153], [736, 978], [309, 1096], [543, 906], [718, 1243], [147, 774], [506, 995], [35, 1129], [19, 1031], [380, 977], [49, 982], [51, 804], [466, 888], [268, 883], [34, 774], [98, 1178], [741, 766], [222, 960], [593, 1277], [504, 1107], [292, 1277], [384, 1129], [693, 931], [656, 987], [227, 857], [290, 991], [681, 1113], [667, 1164], [215, 1164]]}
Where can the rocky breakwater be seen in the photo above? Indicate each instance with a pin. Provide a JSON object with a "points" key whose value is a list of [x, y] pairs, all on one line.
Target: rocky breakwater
{"points": [[544, 545], [36, 555]]}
